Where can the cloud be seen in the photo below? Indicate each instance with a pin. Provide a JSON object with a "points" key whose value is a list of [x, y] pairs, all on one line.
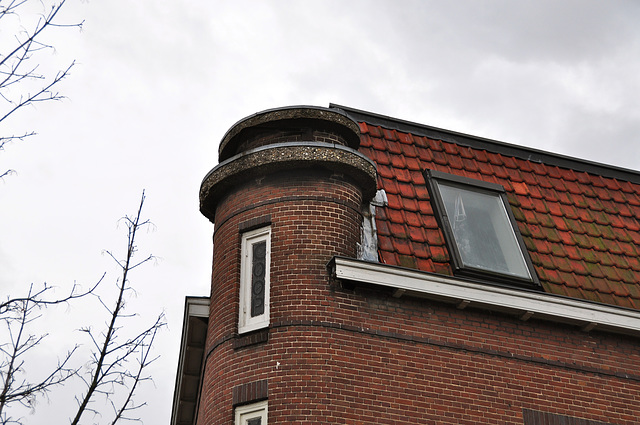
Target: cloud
{"points": [[159, 83]]}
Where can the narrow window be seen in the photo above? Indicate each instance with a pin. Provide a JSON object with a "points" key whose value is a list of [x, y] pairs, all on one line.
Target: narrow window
{"points": [[254, 280], [479, 229], [252, 414]]}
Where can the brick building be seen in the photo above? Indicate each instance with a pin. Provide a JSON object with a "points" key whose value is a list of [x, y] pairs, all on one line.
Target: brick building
{"points": [[369, 270]]}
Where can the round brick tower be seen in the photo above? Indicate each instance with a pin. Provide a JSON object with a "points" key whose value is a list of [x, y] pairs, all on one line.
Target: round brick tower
{"points": [[286, 197]]}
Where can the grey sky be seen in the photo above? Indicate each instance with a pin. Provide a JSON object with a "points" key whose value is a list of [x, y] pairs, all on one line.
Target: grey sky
{"points": [[159, 82]]}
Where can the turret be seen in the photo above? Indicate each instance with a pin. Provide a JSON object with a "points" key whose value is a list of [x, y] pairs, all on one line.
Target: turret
{"points": [[287, 196]]}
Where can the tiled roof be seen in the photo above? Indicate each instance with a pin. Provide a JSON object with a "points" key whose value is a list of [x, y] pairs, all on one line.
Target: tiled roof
{"points": [[581, 226]]}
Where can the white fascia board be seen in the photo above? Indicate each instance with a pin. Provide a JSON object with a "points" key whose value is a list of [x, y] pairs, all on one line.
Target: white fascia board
{"points": [[197, 306], [526, 303], [193, 307]]}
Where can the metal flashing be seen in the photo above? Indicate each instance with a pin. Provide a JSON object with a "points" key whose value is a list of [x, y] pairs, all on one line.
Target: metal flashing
{"points": [[462, 139]]}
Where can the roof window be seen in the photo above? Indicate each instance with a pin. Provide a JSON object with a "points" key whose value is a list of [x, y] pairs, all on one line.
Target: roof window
{"points": [[479, 228]]}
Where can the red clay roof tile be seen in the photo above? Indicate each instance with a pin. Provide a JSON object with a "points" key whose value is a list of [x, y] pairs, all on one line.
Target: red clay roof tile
{"points": [[424, 263], [485, 168], [395, 216], [382, 227], [435, 238], [494, 159], [439, 157], [403, 175], [412, 219], [539, 168], [416, 177], [387, 257], [409, 150], [562, 250], [421, 192], [509, 162], [386, 171], [545, 193], [381, 215], [406, 190], [394, 201], [466, 152], [399, 162], [416, 234], [521, 189], [380, 157], [413, 164], [410, 204], [470, 165], [581, 229], [439, 253], [435, 145], [424, 154], [429, 222], [426, 209], [451, 149], [384, 243], [378, 144], [390, 186], [402, 246], [405, 138], [389, 134]]}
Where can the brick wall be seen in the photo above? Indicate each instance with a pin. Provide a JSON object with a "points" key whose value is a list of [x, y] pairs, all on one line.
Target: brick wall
{"points": [[314, 215], [335, 354], [364, 357], [361, 356]]}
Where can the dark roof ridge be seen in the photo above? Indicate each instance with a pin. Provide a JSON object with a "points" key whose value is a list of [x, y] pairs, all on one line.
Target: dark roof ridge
{"points": [[522, 152]]}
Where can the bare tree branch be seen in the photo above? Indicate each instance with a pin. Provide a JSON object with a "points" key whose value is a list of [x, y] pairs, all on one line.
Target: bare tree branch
{"points": [[21, 82], [41, 95], [110, 364], [144, 361], [37, 298], [15, 315], [118, 360]]}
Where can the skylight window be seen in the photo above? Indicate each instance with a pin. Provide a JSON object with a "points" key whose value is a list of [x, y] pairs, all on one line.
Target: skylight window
{"points": [[483, 239]]}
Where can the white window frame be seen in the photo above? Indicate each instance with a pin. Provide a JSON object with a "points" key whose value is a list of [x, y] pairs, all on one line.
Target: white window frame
{"points": [[252, 411], [246, 323]]}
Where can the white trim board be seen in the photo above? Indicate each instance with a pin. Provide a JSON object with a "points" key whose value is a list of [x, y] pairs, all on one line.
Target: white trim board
{"points": [[523, 303]]}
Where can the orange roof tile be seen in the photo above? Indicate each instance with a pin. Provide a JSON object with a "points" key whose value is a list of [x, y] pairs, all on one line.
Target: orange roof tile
{"points": [[579, 220]]}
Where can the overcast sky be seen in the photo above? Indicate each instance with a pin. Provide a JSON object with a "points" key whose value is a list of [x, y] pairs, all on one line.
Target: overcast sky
{"points": [[158, 83]]}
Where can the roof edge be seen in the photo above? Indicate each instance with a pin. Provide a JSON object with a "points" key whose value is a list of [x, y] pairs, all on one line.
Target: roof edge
{"points": [[522, 303], [194, 306], [526, 153]]}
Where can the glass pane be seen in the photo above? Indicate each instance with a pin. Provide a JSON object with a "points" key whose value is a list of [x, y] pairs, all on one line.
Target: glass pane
{"points": [[258, 271], [254, 421], [482, 230]]}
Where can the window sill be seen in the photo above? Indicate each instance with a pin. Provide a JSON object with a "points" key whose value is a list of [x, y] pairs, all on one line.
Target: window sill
{"points": [[251, 338]]}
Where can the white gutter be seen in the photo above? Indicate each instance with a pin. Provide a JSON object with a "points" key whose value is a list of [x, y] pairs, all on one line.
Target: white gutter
{"points": [[525, 304]]}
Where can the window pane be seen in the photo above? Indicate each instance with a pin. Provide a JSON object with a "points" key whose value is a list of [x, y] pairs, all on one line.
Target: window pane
{"points": [[255, 421], [482, 230], [258, 270]]}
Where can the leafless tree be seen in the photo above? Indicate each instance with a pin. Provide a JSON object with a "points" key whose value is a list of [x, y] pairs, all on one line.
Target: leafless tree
{"points": [[118, 361], [113, 355], [15, 316], [22, 82]]}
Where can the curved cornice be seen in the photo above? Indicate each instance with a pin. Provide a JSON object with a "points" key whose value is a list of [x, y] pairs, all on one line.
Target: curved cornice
{"points": [[285, 156], [281, 118]]}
